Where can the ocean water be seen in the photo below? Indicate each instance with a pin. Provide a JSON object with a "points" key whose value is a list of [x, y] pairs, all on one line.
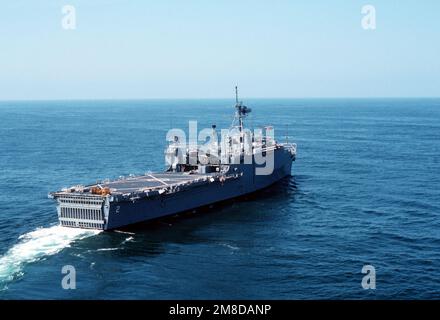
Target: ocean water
{"points": [[365, 190]]}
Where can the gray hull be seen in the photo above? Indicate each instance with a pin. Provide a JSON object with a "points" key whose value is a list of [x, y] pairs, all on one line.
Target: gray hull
{"points": [[183, 193], [126, 213]]}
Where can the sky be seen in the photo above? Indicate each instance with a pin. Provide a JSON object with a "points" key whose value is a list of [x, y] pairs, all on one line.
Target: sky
{"points": [[141, 49]]}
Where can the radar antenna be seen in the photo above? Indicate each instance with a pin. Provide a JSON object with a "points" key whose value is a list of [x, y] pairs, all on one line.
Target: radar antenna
{"points": [[242, 112]]}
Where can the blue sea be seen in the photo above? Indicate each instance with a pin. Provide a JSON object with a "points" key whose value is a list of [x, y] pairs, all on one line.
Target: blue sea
{"points": [[365, 190]]}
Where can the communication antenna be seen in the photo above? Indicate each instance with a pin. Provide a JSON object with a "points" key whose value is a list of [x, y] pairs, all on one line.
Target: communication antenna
{"points": [[236, 94]]}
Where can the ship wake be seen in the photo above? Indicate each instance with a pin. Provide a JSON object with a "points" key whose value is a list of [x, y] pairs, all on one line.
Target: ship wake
{"points": [[35, 246]]}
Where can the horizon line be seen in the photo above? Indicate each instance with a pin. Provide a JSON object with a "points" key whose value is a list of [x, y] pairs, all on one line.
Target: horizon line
{"points": [[218, 98]]}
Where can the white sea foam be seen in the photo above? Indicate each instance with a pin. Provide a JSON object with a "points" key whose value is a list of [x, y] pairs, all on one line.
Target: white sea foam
{"points": [[108, 249], [229, 246], [124, 232], [37, 245], [128, 240]]}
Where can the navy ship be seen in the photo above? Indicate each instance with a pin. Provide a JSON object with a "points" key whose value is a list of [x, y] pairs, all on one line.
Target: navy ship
{"points": [[196, 176]]}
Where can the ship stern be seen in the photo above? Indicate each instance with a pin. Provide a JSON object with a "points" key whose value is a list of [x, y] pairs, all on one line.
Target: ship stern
{"points": [[82, 211]]}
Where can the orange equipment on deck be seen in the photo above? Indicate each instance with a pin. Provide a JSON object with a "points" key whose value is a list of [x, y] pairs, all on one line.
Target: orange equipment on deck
{"points": [[101, 191]]}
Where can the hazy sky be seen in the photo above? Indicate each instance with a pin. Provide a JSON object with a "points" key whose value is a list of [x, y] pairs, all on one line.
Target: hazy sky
{"points": [[201, 49]]}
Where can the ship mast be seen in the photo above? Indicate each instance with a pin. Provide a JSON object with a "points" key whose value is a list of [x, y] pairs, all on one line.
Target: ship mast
{"points": [[238, 106], [236, 94], [242, 112]]}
